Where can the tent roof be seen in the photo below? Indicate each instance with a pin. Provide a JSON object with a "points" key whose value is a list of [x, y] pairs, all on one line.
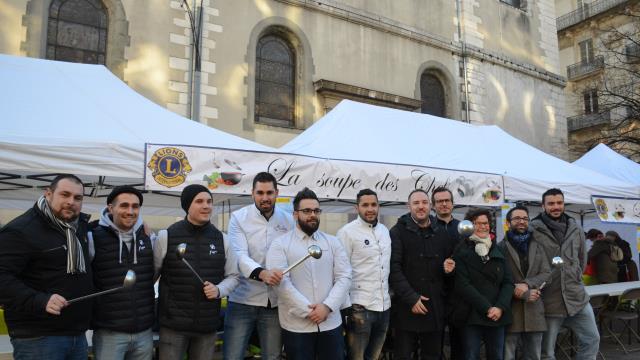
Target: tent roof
{"points": [[362, 132], [81, 119], [607, 161]]}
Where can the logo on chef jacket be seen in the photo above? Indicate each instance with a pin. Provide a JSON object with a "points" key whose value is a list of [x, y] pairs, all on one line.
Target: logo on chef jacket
{"points": [[169, 166], [212, 249], [281, 228], [366, 241]]}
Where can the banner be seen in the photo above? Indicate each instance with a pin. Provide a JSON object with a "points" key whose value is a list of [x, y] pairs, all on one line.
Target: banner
{"points": [[617, 210], [224, 171]]}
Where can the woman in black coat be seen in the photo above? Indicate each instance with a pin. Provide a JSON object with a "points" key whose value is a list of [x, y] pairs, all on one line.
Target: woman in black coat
{"points": [[484, 284]]}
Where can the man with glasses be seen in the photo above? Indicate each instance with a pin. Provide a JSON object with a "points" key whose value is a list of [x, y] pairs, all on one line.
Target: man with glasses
{"points": [[420, 265], [368, 248], [566, 302], [254, 302], [530, 270], [310, 295]]}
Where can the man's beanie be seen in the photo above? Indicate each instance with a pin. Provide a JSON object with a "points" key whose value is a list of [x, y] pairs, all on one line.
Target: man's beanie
{"points": [[190, 192], [124, 189]]}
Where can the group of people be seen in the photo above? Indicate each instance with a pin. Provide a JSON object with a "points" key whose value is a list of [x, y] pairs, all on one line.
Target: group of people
{"points": [[609, 259], [417, 279]]}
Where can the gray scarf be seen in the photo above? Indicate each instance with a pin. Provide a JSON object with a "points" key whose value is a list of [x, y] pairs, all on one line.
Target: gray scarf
{"points": [[75, 258], [558, 227]]}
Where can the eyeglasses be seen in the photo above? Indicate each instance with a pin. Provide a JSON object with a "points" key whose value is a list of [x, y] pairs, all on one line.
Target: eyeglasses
{"points": [[317, 211], [477, 223], [520, 219], [443, 201]]}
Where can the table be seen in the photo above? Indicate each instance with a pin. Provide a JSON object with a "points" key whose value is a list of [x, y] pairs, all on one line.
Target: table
{"points": [[614, 289]]}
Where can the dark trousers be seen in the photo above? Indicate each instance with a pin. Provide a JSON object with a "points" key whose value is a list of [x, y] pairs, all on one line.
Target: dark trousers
{"points": [[428, 343], [323, 345], [456, 342], [493, 338]]}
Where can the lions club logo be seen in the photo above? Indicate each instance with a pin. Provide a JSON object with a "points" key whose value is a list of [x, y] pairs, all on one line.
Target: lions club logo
{"points": [[169, 166]]}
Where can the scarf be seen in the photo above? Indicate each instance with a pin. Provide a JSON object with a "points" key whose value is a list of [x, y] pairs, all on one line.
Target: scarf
{"points": [[519, 241], [75, 258], [483, 245], [558, 227]]}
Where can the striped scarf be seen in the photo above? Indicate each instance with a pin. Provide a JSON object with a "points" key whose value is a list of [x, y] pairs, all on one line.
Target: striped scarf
{"points": [[75, 258]]}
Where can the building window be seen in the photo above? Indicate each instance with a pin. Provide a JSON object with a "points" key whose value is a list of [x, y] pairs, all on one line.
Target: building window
{"points": [[275, 81], [77, 31], [432, 95], [590, 102], [514, 3], [586, 51]]}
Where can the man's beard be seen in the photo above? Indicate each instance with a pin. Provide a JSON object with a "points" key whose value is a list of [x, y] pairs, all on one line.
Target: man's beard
{"points": [[307, 228], [265, 212]]}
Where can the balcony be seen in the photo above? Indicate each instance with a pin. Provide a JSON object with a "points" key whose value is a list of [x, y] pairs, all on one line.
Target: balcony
{"points": [[587, 120], [583, 69], [633, 53], [585, 12]]}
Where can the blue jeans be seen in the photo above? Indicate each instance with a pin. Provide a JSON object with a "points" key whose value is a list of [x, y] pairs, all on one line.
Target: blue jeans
{"points": [[531, 345], [114, 345], [492, 336], [366, 331], [174, 345], [239, 321], [50, 348], [324, 345], [583, 325]]}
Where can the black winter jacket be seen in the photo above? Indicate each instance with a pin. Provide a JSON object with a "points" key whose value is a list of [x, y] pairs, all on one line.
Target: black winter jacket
{"points": [[33, 266]]}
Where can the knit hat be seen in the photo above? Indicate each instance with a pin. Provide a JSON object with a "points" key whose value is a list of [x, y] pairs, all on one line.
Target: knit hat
{"points": [[189, 193], [124, 189]]}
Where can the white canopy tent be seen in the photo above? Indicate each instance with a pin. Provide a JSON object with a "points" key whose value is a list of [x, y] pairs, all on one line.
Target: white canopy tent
{"points": [[81, 119], [360, 132], [604, 160]]}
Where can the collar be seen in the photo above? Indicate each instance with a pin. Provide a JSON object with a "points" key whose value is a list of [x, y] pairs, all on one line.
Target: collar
{"points": [[302, 235], [258, 213], [366, 224]]}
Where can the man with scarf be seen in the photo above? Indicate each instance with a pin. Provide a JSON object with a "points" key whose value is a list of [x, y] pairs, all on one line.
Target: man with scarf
{"points": [[43, 264], [566, 302], [122, 320], [530, 270]]}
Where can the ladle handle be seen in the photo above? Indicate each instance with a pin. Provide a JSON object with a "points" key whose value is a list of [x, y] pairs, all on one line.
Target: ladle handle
{"points": [[192, 270], [296, 264], [85, 297]]}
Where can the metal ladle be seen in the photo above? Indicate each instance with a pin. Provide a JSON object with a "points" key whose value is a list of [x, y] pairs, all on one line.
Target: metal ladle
{"points": [[465, 228], [556, 263], [129, 281], [314, 251], [181, 249]]}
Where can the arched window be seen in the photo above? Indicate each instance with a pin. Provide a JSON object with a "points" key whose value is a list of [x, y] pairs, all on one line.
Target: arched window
{"points": [[432, 95], [275, 84], [77, 31]]}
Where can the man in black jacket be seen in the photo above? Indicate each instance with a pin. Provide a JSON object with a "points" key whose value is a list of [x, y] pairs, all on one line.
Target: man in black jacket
{"points": [[43, 263], [122, 320], [420, 262], [189, 310]]}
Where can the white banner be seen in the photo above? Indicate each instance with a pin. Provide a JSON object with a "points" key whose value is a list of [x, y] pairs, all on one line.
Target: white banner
{"points": [[617, 210], [172, 167]]}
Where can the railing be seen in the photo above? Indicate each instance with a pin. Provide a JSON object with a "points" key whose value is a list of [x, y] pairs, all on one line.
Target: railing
{"points": [[585, 68], [585, 12], [587, 120], [633, 53]]}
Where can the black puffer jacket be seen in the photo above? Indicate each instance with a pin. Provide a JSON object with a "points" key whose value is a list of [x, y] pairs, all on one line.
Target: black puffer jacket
{"points": [[33, 266], [417, 258]]}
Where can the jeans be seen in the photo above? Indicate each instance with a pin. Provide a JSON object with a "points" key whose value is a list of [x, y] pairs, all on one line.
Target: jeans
{"points": [[175, 344], [324, 345], [430, 344], [493, 338], [366, 331], [50, 348], [239, 322], [583, 325], [531, 345], [114, 345]]}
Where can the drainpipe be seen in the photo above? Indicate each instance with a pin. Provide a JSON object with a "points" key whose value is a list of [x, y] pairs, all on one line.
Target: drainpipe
{"points": [[464, 59], [195, 69]]}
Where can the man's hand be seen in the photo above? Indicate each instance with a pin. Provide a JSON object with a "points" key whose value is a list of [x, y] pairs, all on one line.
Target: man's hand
{"points": [[319, 313], [449, 265], [211, 291], [534, 295], [494, 313], [419, 308], [55, 304], [520, 289], [271, 277]]}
